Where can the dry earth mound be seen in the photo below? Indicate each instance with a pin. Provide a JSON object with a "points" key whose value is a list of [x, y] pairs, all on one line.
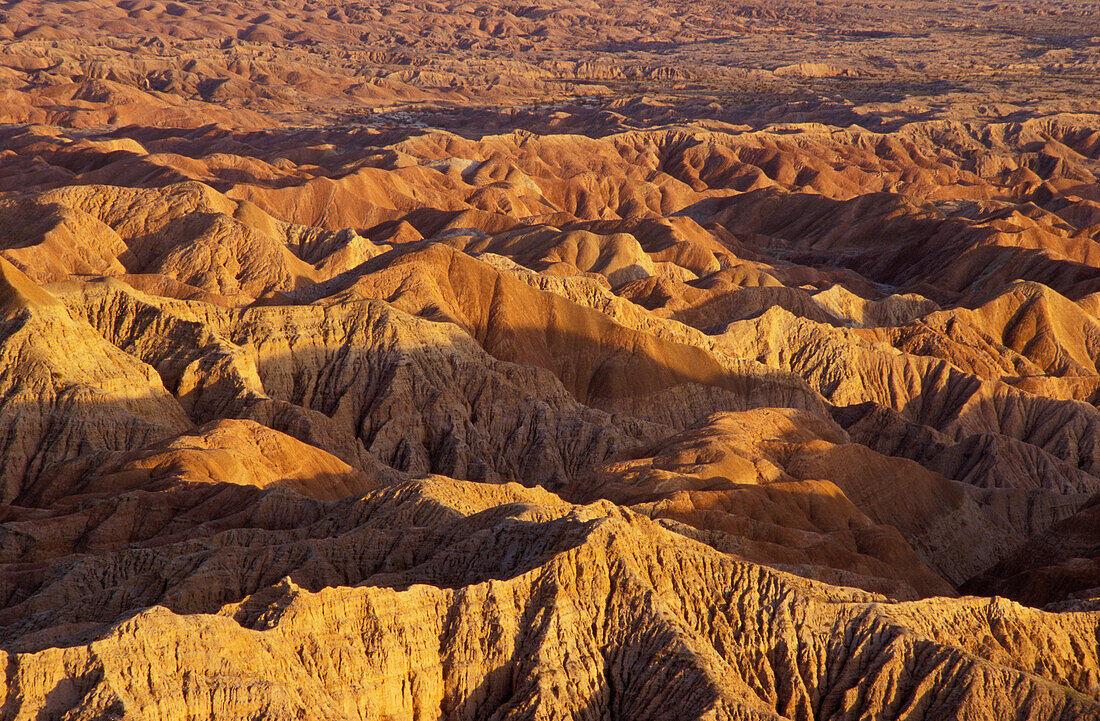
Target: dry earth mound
{"points": [[496, 361]]}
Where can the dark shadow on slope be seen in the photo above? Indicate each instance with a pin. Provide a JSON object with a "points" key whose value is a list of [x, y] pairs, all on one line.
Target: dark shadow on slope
{"points": [[1059, 566], [1031, 463], [887, 239], [194, 548], [651, 371]]}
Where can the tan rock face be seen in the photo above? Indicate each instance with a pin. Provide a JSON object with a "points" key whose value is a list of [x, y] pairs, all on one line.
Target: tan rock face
{"points": [[64, 390], [476, 601], [226, 451], [619, 360]]}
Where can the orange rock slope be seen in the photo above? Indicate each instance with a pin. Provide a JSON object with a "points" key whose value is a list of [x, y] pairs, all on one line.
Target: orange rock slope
{"points": [[649, 403]]}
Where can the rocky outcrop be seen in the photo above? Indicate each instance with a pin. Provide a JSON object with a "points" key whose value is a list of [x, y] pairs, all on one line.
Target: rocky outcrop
{"points": [[605, 613], [65, 391], [380, 422]]}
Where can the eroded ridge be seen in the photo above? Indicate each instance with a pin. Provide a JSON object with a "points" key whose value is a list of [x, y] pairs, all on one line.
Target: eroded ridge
{"points": [[399, 360]]}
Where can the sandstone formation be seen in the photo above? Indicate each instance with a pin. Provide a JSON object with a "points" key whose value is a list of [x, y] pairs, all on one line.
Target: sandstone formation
{"points": [[412, 360], [468, 601]]}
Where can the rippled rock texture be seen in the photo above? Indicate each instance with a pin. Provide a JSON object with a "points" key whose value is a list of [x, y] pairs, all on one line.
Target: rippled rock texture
{"points": [[340, 379]]}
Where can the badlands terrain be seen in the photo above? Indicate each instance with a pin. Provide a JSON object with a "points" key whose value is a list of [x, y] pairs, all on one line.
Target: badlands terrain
{"points": [[491, 360]]}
